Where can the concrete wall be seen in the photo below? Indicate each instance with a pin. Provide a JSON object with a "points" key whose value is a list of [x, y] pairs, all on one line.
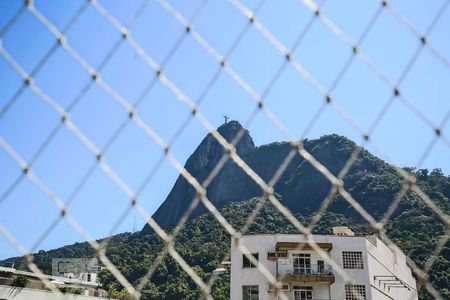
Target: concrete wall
{"points": [[15, 293], [385, 261], [251, 276], [361, 276], [378, 259]]}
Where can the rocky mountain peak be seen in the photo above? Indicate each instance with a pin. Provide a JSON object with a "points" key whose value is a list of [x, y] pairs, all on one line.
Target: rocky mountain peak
{"points": [[200, 164], [209, 152], [299, 186]]}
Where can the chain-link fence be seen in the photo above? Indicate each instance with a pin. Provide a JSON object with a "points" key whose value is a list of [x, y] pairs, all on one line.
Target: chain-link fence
{"points": [[224, 68]]}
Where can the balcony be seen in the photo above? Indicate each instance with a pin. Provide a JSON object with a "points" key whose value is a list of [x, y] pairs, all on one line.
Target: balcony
{"points": [[306, 273]]}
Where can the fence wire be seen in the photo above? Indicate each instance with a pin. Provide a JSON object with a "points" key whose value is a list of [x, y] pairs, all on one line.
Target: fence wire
{"points": [[130, 106]]}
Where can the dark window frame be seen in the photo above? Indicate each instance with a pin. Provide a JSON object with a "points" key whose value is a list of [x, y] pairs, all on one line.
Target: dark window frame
{"points": [[282, 254], [246, 263], [355, 292], [352, 260], [250, 292]]}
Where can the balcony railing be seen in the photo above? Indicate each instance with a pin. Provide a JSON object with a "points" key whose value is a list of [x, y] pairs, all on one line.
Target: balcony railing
{"points": [[319, 270]]}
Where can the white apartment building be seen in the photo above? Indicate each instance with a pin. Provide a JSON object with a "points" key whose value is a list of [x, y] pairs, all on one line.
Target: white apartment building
{"points": [[379, 271]]}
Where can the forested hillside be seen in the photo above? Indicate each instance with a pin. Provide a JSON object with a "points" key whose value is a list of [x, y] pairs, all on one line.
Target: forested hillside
{"points": [[370, 180], [204, 243]]}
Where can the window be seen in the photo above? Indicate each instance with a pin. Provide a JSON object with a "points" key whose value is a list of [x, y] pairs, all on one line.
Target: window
{"points": [[320, 266], [271, 255], [246, 262], [355, 292], [64, 267], [301, 263], [282, 254], [302, 292], [352, 260], [284, 287], [250, 292]]}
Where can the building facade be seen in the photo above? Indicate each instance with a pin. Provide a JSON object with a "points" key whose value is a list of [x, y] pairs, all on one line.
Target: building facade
{"points": [[379, 271], [15, 293], [34, 287], [79, 269]]}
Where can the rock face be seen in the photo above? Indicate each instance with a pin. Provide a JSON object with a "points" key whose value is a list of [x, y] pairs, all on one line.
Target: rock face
{"points": [[228, 185], [299, 187]]}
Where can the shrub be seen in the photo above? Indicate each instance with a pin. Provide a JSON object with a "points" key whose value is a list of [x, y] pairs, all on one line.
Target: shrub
{"points": [[20, 281]]}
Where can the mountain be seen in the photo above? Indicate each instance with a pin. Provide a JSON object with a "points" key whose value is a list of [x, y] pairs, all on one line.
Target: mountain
{"points": [[200, 164], [203, 243], [301, 187]]}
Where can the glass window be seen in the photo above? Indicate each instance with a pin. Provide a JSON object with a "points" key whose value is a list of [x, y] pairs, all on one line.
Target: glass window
{"points": [[320, 266], [284, 287], [301, 263], [303, 292], [355, 292], [250, 292], [282, 254], [352, 260], [246, 262]]}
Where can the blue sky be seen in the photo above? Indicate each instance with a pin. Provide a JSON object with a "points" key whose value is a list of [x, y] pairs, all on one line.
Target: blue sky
{"points": [[401, 134]]}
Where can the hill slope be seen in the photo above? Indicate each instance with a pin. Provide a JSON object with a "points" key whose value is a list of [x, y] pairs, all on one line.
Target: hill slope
{"points": [[204, 243]]}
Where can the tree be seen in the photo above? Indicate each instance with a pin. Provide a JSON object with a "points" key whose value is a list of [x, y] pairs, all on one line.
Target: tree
{"points": [[20, 281]]}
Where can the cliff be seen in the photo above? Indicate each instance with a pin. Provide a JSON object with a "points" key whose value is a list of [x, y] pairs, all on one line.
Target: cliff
{"points": [[301, 187]]}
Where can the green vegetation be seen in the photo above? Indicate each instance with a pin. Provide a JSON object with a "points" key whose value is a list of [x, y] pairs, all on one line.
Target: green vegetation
{"points": [[20, 281], [70, 290], [204, 243], [122, 294]]}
